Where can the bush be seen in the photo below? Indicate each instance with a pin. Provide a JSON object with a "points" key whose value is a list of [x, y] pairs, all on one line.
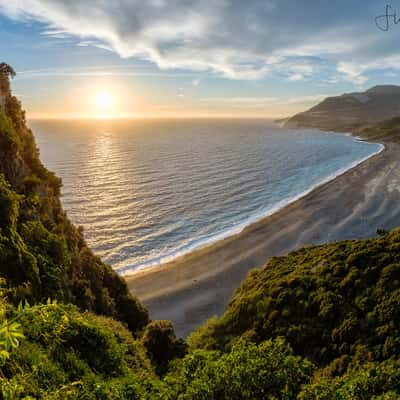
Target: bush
{"points": [[65, 351], [370, 381], [162, 345], [248, 372]]}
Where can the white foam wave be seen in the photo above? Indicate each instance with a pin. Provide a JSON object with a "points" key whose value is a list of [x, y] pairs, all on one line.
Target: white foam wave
{"points": [[133, 268]]}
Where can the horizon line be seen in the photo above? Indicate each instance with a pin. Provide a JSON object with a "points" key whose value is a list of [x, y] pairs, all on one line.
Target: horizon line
{"points": [[130, 117]]}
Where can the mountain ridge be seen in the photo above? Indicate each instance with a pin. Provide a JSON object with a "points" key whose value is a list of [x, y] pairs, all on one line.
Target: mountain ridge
{"points": [[350, 111]]}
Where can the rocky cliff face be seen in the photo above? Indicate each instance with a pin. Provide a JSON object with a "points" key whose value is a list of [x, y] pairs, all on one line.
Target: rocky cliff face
{"points": [[352, 110]]}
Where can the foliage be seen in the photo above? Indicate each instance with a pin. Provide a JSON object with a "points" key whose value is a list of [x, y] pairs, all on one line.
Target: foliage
{"points": [[370, 381], [65, 351], [66, 354], [10, 333], [6, 72], [41, 253], [162, 345], [387, 130], [319, 323], [248, 372], [327, 301]]}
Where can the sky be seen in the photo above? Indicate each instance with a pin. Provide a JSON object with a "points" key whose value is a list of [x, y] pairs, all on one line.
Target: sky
{"points": [[184, 58]]}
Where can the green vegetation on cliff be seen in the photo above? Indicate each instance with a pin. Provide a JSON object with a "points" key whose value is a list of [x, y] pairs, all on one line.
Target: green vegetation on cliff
{"points": [[320, 323], [388, 131], [330, 302], [338, 305], [65, 354], [42, 254]]}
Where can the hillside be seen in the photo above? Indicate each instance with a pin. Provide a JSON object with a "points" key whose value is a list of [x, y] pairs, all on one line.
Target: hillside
{"points": [[41, 253], [321, 323], [337, 305], [327, 300], [69, 328], [388, 131], [351, 110]]}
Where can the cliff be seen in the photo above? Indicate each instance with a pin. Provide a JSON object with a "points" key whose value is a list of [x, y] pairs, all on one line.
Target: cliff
{"points": [[320, 323], [42, 254]]}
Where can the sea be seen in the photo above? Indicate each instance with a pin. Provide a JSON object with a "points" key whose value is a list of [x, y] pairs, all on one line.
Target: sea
{"points": [[149, 190]]}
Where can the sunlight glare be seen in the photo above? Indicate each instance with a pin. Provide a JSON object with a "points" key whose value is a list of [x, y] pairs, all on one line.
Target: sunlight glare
{"points": [[104, 100]]}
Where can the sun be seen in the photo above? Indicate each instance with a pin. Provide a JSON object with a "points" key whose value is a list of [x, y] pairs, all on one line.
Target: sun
{"points": [[104, 101]]}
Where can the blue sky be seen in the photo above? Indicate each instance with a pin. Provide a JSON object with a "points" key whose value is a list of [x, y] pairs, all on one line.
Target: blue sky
{"points": [[186, 57]]}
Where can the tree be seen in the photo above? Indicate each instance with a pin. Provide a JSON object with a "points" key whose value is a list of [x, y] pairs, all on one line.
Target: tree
{"points": [[6, 69], [6, 72], [162, 345]]}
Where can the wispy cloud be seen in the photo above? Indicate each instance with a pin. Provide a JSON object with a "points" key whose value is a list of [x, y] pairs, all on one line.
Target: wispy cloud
{"points": [[310, 99], [239, 100], [352, 72], [97, 72], [237, 40], [250, 102], [257, 102]]}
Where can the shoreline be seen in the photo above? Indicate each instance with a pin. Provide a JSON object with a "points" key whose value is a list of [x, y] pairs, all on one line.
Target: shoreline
{"points": [[129, 271], [193, 288]]}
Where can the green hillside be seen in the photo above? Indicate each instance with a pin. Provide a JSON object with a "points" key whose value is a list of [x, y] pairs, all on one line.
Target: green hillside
{"points": [[388, 130], [320, 323], [42, 254], [338, 305], [329, 301]]}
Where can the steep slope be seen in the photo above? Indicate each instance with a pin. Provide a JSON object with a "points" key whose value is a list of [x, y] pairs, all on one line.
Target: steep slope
{"points": [[351, 110], [336, 304], [41, 253]]}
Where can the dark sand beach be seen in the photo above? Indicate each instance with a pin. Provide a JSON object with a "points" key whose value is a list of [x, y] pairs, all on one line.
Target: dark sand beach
{"points": [[193, 288]]}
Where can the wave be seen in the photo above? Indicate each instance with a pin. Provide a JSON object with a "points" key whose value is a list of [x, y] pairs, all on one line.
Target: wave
{"points": [[196, 244]]}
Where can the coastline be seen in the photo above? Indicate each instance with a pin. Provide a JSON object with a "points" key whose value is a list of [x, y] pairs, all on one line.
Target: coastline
{"points": [[198, 285], [128, 271]]}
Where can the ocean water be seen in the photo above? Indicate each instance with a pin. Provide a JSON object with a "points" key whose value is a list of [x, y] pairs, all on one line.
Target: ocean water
{"points": [[147, 191]]}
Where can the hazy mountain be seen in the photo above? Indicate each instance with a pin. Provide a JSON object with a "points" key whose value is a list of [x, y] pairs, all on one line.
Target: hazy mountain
{"points": [[351, 110]]}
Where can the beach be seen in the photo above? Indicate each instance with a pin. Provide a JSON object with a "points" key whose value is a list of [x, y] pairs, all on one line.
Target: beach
{"points": [[199, 285]]}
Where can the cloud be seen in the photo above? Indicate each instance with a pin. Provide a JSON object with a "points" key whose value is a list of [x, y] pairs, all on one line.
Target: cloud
{"points": [[231, 38], [352, 72], [97, 72], [242, 102], [232, 100], [310, 99], [300, 72], [196, 82], [296, 77], [258, 101], [357, 72]]}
